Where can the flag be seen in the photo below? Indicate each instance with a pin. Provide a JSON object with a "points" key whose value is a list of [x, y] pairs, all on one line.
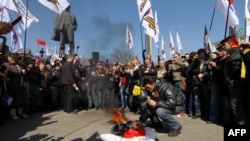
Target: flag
{"points": [[157, 31], [19, 7], [143, 7], [171, 45], [4, 13], [222, 6], [41, 42], [163, 50], [247, 21], [16, 43], [47, 51], [146, 17], [178, 42], [129, 38], [9, 4], [55, 5], [207, 42]]}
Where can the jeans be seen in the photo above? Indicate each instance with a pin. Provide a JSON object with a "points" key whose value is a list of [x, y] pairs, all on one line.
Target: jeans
{"points": [[177, 84], [196, 100], [167, 116], [92, 95], [123, 96], [100, 97]]}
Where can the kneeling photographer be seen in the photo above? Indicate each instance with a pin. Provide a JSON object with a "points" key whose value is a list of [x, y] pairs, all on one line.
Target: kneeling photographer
{"points": [[169, 102]]}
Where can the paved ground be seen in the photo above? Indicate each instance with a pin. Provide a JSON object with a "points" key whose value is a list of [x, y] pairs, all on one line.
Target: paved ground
{"points": [[86, 125]]}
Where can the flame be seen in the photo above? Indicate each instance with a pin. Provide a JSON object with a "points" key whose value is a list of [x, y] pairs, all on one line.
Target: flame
{"points": [[117, 115]]}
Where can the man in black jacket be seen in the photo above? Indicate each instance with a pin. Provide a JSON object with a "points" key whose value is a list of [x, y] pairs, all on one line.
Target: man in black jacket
{"points": [[166, 100], [69, 81]]}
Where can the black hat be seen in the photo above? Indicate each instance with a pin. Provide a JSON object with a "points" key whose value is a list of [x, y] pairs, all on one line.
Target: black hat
{"points": [[200, 51], [219, 47], [226, 39], [233, 41]]}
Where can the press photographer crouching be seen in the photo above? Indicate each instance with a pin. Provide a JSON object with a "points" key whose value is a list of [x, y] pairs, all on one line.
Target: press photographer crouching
{"points": [[166, 102]]}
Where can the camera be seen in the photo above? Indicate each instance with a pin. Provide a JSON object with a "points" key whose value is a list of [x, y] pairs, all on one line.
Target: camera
{"points": [[245, 46]]}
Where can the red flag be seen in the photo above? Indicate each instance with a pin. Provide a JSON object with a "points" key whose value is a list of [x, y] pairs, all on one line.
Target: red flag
{"points": [[41, 42], [231, 1]]}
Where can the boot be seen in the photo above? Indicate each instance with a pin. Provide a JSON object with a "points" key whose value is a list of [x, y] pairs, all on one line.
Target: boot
{"points": [[13, 114], [20, 113]]}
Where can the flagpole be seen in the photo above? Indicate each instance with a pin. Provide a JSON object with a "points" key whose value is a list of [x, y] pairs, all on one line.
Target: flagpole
{"points": [[227, 19], [212, 17], [142, 48], [25, 32]]}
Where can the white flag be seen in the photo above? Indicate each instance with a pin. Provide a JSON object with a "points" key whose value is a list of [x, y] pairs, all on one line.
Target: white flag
{"points": [[47, 51], [247, 22], [207, 42], [16, 43], [171, 45], [19, 7], [163, 49], [247, 10], [143, 7], [146, 17], [55, 5], [178, 42], [222, 6], [9, 4], [4, 14], [129, 38], [157, 31]]}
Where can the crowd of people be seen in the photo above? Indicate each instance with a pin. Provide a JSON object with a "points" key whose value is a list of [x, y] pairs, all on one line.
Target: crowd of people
{"points": [[208, 85]]}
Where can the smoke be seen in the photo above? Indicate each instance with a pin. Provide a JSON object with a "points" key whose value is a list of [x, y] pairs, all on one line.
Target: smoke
{"points": [[106, 35]]}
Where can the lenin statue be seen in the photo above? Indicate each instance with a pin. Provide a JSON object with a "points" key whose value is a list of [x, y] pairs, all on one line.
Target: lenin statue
{"points": [[64, 28]]}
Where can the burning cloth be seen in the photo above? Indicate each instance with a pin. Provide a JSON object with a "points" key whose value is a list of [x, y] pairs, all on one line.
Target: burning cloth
{"points": [[149, 136], [131, 131]]}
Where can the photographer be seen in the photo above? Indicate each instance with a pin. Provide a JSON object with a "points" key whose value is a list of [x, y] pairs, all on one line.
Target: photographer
{"points": [[170, 102]]}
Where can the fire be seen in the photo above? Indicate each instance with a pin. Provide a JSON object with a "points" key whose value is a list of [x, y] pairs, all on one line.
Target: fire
{"points": [[117, 115]]}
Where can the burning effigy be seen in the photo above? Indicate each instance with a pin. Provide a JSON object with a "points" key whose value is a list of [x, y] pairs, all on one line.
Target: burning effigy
{"points": [[125, 129]]}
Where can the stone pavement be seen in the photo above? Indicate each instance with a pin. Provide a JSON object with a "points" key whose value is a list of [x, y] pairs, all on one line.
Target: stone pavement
{"points": [[86, 125]]}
